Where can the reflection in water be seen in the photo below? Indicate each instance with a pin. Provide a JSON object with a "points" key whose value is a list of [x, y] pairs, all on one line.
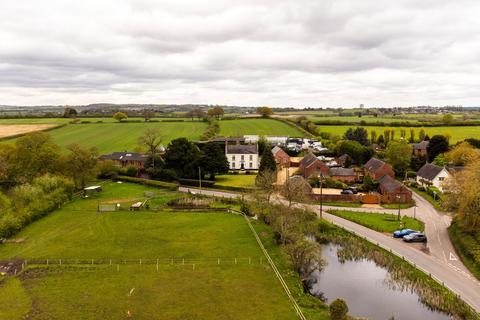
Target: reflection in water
{"points": [[368, 290]]}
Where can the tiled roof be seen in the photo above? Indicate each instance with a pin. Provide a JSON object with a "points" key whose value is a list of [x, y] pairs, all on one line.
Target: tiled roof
{"points": [[336, 171], [374, 164], [429, 171], [389, 184], [124, 156], [242, 149], [421, 145]]}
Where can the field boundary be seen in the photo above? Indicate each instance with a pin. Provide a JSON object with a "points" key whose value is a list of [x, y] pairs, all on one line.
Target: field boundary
{"points": [[297, 308]]}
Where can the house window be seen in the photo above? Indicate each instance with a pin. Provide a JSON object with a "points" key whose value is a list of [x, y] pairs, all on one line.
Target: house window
{"points": [[233, 164], [251, 157], [243, 157], [251, 165], [233, 158], [441, 178]]}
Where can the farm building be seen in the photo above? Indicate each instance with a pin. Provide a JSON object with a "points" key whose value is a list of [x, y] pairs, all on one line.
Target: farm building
{"points": [[312, 166], [420, 149], [242, 156], [393, 191], [432, 174], [125, 159], [376, 169], [344, 160], [343, 174], [281, 157]]}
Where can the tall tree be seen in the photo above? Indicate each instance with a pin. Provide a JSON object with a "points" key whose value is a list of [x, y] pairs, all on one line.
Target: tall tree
{"points": [[151, 139], [373, 136], [148, 114], [421, 135], [213, 160], [35, 154], [216, 112], [266, 182], [267, 163], [462, 154], [399, 155], [295, 189], [81, 164], [265, 112], [412, 136], [120, 116], [438, 144], [183, 157], [358, 134], [69, 112], [355, 150]]}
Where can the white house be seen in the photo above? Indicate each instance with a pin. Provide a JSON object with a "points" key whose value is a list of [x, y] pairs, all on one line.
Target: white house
{"points": [[242, 156], [434, 174]]}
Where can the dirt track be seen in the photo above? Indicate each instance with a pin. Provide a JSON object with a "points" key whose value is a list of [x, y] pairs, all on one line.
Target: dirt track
{"points": [[8, 130]]}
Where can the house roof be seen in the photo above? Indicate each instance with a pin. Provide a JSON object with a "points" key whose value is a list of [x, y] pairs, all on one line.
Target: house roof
{"points": [[374, 164], [344, 157], [454, 169], [242, 149], [421, 145], [308, 160], [124, 156], [390, 184], [429, 171], [336, 171], [277, 149]]}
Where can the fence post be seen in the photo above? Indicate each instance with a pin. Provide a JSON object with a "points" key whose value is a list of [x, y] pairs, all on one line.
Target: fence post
{"points": [[92, 261], [183, 261], [47, 262], [218, 260], [235, 260], [249, 260], [60, 261], [118, 267], [193, 266]]}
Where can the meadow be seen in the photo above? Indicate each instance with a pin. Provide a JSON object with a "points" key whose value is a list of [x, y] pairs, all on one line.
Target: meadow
{"points": [[269, 127], [207, 290]]}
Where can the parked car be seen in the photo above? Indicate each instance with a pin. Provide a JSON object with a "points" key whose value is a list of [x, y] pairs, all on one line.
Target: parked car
{"points": [[403, 233], [346, 191], [415, 237], [353, 189]]}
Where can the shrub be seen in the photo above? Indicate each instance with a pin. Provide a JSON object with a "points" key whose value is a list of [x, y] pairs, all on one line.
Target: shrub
{"points": [[107, 169], [195, 183], [338, 309], [147, 182]]}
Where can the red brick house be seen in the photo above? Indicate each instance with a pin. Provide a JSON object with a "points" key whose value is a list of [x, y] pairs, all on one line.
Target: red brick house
{"points": [[420, 149], [125, 159], [281, 157], [394, 191], [376, 169], [312, 166], [343, 174]]}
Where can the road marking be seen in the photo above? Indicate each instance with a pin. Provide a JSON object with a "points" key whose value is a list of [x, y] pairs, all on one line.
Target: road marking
{"points": [[452, 257]]}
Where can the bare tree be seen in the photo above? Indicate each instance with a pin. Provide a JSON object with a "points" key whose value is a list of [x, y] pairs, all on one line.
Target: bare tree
{"points": [[266, 182], [152, 139], [296, 189]]}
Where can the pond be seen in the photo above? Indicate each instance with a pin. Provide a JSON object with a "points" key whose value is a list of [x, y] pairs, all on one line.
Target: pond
{"points": [[367, 289]]}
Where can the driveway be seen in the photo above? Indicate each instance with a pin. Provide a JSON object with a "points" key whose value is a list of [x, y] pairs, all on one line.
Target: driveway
{"points": [[441, 262]]}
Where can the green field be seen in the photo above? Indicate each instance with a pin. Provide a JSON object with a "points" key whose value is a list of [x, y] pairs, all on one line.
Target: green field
{"points": [[456, 133], [257, 126], [382, 222], [247, 289], [236, 180], [68, 120]]}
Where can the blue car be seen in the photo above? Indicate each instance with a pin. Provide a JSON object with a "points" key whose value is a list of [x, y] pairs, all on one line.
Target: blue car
{"points": [[403, 233]]}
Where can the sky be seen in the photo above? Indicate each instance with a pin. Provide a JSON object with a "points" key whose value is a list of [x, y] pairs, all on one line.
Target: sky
{"points": [[298, 53]]}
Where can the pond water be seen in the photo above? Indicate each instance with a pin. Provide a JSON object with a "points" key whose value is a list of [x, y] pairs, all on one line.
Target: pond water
{"points": [[367, 290]]}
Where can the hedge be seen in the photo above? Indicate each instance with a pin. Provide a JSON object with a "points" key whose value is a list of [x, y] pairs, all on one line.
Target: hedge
{"points": [[194, 183], [147, 182]]}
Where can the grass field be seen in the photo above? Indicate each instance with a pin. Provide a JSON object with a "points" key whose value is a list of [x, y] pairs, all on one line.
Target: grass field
{"points": [[456, 133], [13, 130], [381, 222], [257, 126], [246, 290], [68, 120], [236, 180]]}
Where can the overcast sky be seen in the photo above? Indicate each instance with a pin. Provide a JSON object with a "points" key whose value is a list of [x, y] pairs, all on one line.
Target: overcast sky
{"points": [[313, 53]]}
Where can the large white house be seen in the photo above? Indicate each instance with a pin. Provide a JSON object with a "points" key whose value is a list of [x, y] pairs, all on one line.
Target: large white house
{"points": [[242, 156], [433, 174]]}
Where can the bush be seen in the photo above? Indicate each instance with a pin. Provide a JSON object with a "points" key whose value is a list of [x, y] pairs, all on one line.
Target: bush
{"points": [[195, 183], [107, 169], [130, 171], [332, 183], [147, 182], [338, 309]]}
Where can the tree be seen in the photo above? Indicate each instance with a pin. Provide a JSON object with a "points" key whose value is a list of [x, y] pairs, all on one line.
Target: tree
{"points": [[295, 189], [34, 154], [262, 144], [305, 256], [381, 140], [438, 144], [338, 309], [182, 156], [81, 164], [355, 150], [120, 116], [412, 136], [386, 136], [399, 155], [69, 112], [447, 118], [267, 163], [461, 195], [265, 181], [358, 134], [148, 114], [462, 154], [421, 135], [213, 160], [265, 112], [152, 139], [216, 112], [373, 136]]}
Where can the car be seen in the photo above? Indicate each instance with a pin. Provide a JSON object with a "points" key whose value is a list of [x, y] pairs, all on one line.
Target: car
{"points": [[415, 237], [403, 233], [353, 189], [346, 191]]}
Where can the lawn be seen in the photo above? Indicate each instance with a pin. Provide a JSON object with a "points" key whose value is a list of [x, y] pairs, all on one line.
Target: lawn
{"points": [[456, 133], [268, 127], [382, 222], [247, 289], [236, 180]]}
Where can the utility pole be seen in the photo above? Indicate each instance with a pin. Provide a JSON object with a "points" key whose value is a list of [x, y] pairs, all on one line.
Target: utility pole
{"points": [[398, 199], [321, 195], [199, 178]]}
